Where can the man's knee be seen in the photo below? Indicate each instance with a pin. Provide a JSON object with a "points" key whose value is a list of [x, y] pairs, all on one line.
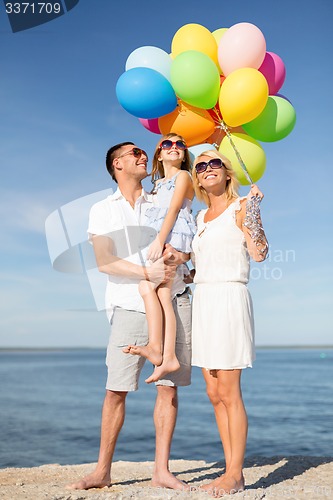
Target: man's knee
{"points": [[114, 398], [167, 394]]}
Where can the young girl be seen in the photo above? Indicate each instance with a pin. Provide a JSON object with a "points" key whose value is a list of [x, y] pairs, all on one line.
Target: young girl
{"points": [[175, 224]]}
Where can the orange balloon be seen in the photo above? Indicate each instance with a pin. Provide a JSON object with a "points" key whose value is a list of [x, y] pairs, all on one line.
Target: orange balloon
{"points": [[194, 124]]}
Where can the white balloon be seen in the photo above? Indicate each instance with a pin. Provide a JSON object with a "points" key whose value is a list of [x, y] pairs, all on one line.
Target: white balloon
{"points": [[198, 149], [150, 57]]}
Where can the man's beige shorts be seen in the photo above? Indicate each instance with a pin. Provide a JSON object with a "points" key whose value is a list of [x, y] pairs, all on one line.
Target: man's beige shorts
{"points": [[130, 327]]}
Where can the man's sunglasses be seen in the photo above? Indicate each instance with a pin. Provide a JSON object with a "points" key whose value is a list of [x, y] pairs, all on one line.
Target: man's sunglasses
{"points": [[213, 163], [136, 152], [167, 144]]}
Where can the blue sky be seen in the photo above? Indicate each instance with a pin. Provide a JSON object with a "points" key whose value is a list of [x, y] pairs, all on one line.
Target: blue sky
{"points": [[59, 115]]}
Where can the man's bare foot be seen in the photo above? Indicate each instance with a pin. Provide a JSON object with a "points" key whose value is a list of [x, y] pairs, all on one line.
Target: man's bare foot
{"points": [[167, 366], [153, 355], [168, 480], [93, 480], [227, 485]]}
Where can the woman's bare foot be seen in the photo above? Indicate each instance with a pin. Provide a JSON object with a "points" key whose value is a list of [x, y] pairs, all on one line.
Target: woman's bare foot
{"points": [[212, 484], [167, 366], [93, 480], [227, 485], [168, 480], [153, 355]]}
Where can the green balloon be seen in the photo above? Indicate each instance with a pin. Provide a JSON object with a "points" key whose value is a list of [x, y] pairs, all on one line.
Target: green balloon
{"points": [[195, 79], [274, 123]]}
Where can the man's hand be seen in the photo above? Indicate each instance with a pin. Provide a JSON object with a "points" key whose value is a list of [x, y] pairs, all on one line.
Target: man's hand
{"points": [[161, 271], [175, 257]]}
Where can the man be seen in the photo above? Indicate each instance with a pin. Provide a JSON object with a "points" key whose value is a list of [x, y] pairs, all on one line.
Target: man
{"points": [[114, 231]]}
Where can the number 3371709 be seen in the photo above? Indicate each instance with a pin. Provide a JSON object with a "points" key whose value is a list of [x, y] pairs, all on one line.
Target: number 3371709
{"points": [[33, 8]]}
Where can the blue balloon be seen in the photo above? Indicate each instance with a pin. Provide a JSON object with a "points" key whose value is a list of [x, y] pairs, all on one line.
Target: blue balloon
{"points": [[145, 93]]}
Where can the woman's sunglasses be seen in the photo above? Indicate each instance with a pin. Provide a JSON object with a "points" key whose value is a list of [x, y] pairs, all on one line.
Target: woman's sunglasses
{"points": [[213, 163], [136, 152], [167, 144]]}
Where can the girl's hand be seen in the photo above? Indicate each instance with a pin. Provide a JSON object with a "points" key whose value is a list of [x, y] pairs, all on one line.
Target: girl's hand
{"points": [[255, 191], [155, 250]]}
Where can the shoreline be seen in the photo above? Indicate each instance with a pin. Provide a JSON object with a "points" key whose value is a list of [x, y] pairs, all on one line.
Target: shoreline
{"points": [[278, 477], [91, 348]]}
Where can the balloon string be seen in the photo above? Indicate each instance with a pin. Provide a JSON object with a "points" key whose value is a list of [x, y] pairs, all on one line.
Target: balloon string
{"points": [[225, 129], [220, 124]]}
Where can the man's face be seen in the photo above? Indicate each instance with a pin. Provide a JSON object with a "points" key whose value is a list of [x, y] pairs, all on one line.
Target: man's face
{"points": [[131, 162]]}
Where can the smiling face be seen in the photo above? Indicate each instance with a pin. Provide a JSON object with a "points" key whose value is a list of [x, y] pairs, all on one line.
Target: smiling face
{"points": [[170, 154], [215, 176], [130, 163], [171, 150], [213, 172]]}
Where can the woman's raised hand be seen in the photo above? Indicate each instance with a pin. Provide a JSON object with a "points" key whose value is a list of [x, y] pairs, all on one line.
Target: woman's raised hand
{"points": [[255, 192]]}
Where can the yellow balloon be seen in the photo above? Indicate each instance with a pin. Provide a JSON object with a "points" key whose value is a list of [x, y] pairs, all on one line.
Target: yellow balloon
{"points": [[194, 37], [218, 34], [243, 96], [251, 153]]}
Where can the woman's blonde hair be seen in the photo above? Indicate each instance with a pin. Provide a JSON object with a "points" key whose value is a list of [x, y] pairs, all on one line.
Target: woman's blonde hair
{"points": [[232, 185], [158, 170]]}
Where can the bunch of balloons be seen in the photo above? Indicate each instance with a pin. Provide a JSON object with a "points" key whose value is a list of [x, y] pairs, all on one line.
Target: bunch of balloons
{"points": [[217, 88]]}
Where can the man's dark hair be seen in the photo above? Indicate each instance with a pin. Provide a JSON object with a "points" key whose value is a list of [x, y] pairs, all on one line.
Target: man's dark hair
{"points": [[112, 154]]}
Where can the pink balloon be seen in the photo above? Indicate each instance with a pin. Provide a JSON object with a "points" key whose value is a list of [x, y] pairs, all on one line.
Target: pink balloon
{"points": [[242, 46], [150, 124], [274, 71]]}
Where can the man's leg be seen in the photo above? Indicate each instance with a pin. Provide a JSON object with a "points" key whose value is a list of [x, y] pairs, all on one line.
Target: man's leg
{"points": [[113, 415], [128, 327], [165, 415]]}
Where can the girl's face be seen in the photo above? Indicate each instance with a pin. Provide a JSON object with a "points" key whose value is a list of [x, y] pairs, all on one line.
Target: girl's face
{"points": [[171, 151]]}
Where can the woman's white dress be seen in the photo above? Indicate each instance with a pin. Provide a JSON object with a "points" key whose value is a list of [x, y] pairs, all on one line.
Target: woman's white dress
{"points": [[222, 321]]}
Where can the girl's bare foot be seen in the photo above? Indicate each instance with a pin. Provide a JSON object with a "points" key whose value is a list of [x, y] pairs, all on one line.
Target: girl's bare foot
{"points": [[93, 480], [153, 355], [167, 366]]}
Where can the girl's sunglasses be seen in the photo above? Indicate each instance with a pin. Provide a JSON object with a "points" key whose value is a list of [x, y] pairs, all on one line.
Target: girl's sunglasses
{"points": [[213, 163], [136, 152], [167, 144]]}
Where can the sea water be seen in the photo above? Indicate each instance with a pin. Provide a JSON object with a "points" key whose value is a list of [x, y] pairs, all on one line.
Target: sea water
{"points": [[50, 408]]}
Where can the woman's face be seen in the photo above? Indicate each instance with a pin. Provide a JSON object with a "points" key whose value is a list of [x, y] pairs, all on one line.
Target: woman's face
{"points": [[173, 153], [214, 175]]}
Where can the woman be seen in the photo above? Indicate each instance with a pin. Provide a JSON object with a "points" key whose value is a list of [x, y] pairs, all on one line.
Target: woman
{"points": [[229, 231]]}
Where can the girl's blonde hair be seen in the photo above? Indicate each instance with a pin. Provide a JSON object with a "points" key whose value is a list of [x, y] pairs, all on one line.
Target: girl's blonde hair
{"points": [[232, 185], [158, 170]]}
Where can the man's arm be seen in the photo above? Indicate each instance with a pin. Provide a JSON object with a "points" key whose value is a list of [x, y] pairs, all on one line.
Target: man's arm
{"points": [[108, 263]]}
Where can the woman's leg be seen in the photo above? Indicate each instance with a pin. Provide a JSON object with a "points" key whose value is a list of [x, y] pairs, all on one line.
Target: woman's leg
{"points": [[153, 350], [220, 411], [230, 394], [170, 362]]}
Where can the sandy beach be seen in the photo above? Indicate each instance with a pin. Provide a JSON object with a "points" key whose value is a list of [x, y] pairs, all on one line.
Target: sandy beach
{"points": [[294, 477]]}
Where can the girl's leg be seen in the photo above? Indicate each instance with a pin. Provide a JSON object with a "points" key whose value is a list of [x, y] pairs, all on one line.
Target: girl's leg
{"points": [[230, 394], [170, 362], [153, 350]]}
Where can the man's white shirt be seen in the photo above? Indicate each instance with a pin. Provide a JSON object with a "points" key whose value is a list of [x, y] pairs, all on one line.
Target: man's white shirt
{"points": [[114, 217]]}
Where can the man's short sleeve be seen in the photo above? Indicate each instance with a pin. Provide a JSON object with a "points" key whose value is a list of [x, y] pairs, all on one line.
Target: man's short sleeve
{"points": [[100, 219]]}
